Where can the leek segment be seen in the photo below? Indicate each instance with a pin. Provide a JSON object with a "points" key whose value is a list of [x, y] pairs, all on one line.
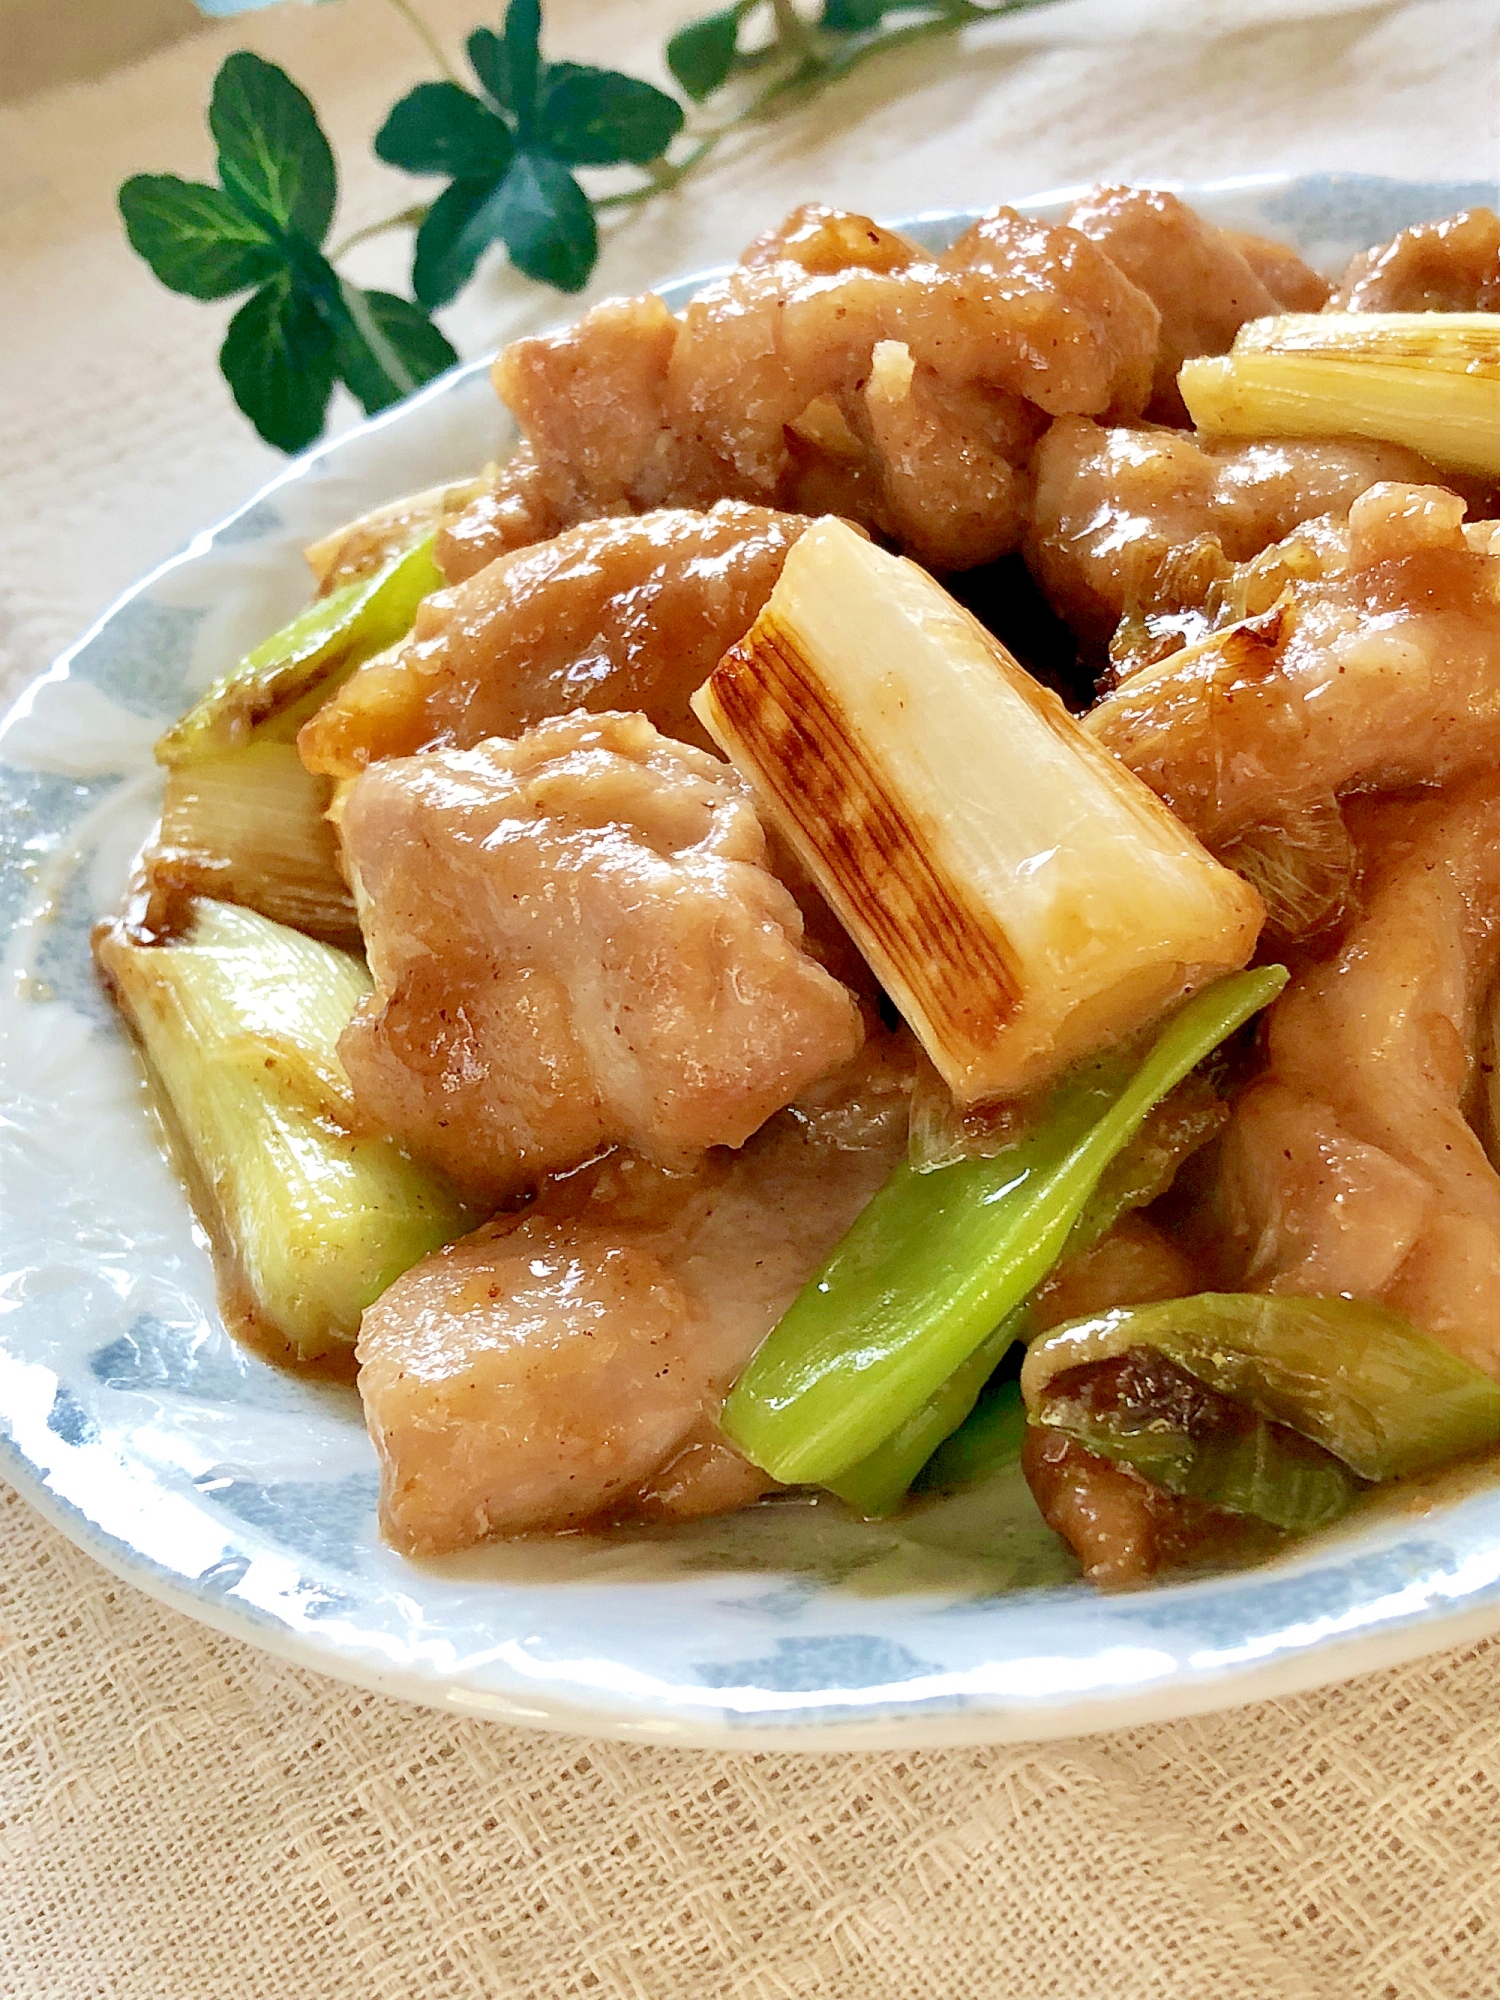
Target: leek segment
{"points": [[937, 1261], [878, 1484], [988, 1441], [1248, 1466], [1358, 1380], [310, 1219], [1429, 381], [1023, 898], [362, 546], [1172, 1130], [251, 827], [277, 684]]}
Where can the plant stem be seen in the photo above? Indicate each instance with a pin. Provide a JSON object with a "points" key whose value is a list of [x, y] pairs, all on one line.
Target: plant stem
{"points": [[427, 38], [664, 174], [406, 218], [792, 32]]}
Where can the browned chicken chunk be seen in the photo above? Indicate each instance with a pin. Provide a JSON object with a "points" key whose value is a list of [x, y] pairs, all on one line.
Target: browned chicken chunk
{"points": [[570, 1364], [1380, 673], [1353, 1167], [576, 942], [1447, 266], [1206, 282], [1132, 1263], [1135, 520], [615, 614], [1124, 1530], [1350, 1166], [838, 368]]}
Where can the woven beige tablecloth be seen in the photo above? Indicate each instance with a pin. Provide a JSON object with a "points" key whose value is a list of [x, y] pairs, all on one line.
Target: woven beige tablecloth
{"points": [[181, 1818]]}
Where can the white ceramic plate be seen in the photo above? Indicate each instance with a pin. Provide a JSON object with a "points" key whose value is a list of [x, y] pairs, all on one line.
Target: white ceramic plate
{"points": [[246, 1498]]}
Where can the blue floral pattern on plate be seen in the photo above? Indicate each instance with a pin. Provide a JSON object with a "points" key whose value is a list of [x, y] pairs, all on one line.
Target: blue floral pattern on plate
{"points": [[246, 1497]]}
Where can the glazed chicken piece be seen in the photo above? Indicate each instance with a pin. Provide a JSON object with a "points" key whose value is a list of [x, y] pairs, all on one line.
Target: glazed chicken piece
{"points": [[825, 240], [1447, 266], [1130, 1265], [569, 1365], [1123, 1530], [1382, 671], [1350, 1166], [615, 614], [837, 367], [576, 942], [1131, 520], [1206, 282]]}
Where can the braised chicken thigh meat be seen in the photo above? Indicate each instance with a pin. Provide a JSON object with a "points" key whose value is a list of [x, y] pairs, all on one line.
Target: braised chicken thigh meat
{"points": [[839, 364], [576, 943], [569, 1363], [1351, 1166], [1379, 668], [1129, 519], [1205, 282], [615, 614], [1447, 266]]}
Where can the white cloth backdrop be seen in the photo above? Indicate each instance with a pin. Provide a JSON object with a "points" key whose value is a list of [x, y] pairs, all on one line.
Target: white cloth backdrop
{"points": [[183, 1819]]}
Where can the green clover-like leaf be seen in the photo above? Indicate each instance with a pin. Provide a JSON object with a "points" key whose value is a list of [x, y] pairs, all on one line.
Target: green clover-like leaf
{"points": [[273, 155], [196, 238], [598, 118], [702, 55], [548, 222], [853, 17], [489, 62], [523, 60], [278, 358], [439, 128], [385, 347], [461, 225], [537, 210]]}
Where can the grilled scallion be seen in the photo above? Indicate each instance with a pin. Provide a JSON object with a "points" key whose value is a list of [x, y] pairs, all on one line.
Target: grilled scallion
{"points": [[311, 1218]]}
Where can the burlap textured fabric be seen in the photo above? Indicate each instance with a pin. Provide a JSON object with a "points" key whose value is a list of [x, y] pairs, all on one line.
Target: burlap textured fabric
{"points": [[181, 1818]]}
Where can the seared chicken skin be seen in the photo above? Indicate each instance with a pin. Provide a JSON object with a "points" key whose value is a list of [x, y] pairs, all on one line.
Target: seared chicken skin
{"points": [[1382, 672], [576, 943], [1351, 1166], [839, 366], [569, 1364], [614, 614], [1134, 519]]}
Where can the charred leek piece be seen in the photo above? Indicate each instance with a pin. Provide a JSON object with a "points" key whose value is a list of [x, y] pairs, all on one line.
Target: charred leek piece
{"points": [[1358, 1380], [239, 1025], [1430, 381], [937, 1261], [1023, 897], [251, 827], [306, 660], [1173, 1129]]}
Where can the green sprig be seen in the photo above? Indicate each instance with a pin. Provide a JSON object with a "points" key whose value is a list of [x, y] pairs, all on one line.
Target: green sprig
{"points": [[509, 150], [303, 327]]}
